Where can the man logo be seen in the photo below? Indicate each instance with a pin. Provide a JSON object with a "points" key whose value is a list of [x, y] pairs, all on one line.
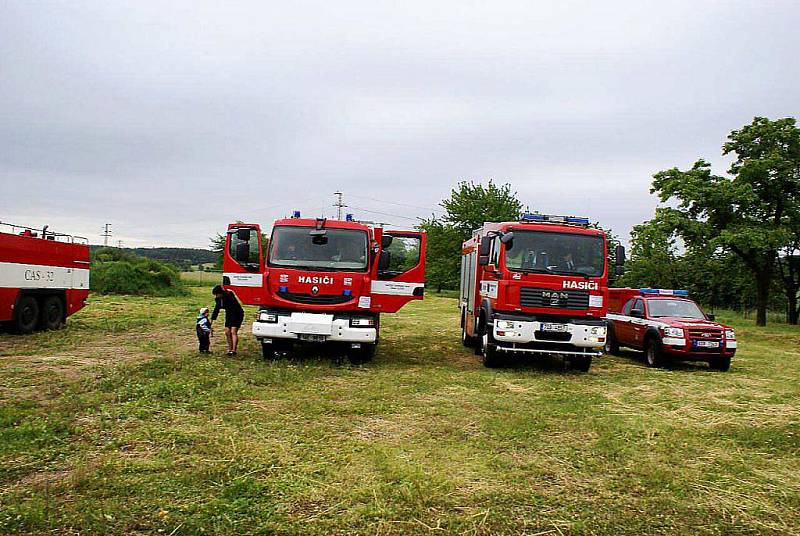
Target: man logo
{"points": [[314, 290]]}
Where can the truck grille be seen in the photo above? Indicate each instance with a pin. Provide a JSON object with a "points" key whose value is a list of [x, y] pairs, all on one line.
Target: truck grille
{"points": [[310, 299], [705, 334], [557, 299]]}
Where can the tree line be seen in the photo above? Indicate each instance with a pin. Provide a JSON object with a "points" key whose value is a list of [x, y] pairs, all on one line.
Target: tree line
{"points": [[732, 240]]}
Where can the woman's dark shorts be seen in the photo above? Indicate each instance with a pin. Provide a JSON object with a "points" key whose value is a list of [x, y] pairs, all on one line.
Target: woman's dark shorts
{"points": [[233, 321]]}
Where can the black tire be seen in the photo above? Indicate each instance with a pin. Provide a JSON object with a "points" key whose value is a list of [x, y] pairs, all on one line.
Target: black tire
{"points": [[52, 313], [358, 356], [26, 319], [581, 363], [720, 363], [612, 345], [653, 357], [277, 349]]}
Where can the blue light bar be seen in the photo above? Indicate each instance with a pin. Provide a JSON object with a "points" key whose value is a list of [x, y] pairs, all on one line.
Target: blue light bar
{"points": [[296, 214], [532, 217], [663, 292], [347, 292], [283, 289], [348, 217]]}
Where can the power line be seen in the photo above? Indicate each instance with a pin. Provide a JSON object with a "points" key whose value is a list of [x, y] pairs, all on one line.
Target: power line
{"points": [[396, 203], [386, 214]]}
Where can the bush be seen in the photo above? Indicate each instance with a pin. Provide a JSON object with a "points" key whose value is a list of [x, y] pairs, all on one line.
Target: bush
{"points": [[118, 272]]}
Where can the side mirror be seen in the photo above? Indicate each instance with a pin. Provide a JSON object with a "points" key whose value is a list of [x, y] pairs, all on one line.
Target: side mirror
{"points": [[637, 313], [384, 261], [507, 238], [243, 234], [483, 260], [243, 252], [485, 247], [386, 241], [619, 270], [619, 253], [712, 317]]}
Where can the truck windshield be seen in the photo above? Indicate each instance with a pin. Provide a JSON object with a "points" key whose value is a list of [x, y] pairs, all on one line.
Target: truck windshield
{"points": [[676, 308], [558, 253], [337, 249]]}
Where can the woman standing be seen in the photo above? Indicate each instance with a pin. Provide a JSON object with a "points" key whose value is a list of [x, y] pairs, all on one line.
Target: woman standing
{"points": [[234, 316]]}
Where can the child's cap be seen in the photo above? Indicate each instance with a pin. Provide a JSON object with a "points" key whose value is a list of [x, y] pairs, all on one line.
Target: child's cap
{"points": [[203, 311]]}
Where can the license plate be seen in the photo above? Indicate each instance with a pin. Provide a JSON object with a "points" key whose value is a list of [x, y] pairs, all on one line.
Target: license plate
{"points": [[707, 344], [311, 337], [560, 328]]}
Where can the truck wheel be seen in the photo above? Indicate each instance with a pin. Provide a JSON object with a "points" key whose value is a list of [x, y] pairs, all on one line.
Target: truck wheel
{"points": [[491, 357], [652, 353], [357, 356], [612, 345], [723, 364], [581, 363], [52, 313], [27, 317], [277, 349]]}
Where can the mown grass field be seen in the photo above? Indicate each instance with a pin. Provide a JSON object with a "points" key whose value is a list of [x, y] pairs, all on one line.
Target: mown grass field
{"points": [[116, 425]]}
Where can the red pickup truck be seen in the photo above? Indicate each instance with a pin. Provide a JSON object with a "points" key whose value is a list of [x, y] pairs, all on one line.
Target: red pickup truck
{"points": [[666, 324]]}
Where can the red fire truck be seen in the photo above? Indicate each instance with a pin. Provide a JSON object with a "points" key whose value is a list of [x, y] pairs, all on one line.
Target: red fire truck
{"points": [[323, 281], [536, 286], [44, 277], [666, 324]]}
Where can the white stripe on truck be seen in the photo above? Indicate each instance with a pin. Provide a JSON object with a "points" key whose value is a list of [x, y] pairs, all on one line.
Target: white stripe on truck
{"points": [[395, 288], [16, 275]]}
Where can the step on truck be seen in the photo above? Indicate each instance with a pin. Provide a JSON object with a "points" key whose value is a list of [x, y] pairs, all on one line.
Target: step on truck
{"points": [[538, 286], [323, 281], [44, 277]]}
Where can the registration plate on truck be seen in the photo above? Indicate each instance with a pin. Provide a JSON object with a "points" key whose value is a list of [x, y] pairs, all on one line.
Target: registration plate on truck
{"points": [[558, 328], [707, 344], [312, 337]]}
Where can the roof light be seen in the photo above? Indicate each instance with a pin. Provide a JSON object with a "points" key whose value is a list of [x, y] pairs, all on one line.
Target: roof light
{"points": [[296, 214], [663, 292], [533, 217], [348, 217]]}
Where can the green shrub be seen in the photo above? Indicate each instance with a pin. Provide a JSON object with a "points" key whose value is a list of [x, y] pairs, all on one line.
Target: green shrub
{"points": [[119, 272]]}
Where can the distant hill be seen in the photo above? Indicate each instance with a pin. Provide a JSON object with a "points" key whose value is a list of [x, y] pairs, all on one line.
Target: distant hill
{"points": [[183, 258]]}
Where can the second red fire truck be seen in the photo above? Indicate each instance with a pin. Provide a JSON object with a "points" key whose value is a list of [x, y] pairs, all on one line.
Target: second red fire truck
{"points": [[44, 277], [323, 281], [536, 286]]}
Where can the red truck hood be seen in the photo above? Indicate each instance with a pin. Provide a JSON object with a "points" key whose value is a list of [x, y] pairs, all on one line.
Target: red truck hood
{"points": [[678, 322]]}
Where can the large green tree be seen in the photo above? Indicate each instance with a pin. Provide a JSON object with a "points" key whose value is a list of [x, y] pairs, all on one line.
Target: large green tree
{"points": [[467, 208], [752, 212]]}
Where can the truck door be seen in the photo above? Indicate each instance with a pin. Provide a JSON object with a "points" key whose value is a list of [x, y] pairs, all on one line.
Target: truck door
{"points": [[243, 262], [399, 274], [623, 329]]}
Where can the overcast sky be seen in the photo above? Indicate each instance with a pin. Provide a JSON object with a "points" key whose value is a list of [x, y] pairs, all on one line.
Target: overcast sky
{"points": [[171, 119]]}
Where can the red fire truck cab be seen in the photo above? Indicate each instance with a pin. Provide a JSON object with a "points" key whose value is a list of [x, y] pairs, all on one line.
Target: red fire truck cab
{"points": [[536, 286], [323, 281], [44, 277], [666, 324]]}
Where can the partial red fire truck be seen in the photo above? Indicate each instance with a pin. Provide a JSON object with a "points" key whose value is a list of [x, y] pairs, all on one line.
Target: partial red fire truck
{"points": [[536, 286], [44, 277], [323, 281], [666, 324]]}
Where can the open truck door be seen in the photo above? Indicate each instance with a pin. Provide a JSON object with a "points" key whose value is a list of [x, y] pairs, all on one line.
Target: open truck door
{"points": [[399, 273], [243, 262]]}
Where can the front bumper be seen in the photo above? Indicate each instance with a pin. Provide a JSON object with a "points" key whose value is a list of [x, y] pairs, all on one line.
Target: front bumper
{"points": [[324, 327], [680, 349], [517, 335]]}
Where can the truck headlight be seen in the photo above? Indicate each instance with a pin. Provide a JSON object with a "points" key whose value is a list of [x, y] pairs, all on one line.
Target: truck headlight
{"points": [[504, 324], [267, 316], [673, 332], [598, 331], [362, 322], [730, 335]]}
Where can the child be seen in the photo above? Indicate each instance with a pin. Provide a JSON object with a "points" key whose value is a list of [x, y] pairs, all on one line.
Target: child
{"points": [[204, 330]]}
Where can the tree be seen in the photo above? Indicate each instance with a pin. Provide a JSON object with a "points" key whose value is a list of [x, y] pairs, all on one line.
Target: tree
{"points": [[751, 213], [653, 256], [467, 208]]}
